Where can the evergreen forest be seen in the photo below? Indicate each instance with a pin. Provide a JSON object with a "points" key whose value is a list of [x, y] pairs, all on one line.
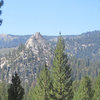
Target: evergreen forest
{"points": [[58, 82]]}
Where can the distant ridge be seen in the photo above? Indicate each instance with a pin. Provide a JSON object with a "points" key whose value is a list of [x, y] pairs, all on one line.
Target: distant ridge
{"points": [[9, 41], [86, 45], [38, 44]]}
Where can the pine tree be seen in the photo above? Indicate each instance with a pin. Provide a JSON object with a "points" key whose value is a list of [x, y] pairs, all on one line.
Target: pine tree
{"points": [[3, 91], [84, 91], [1, 4], [43, 88], [97, 89], [15, 91], [62, 82]]}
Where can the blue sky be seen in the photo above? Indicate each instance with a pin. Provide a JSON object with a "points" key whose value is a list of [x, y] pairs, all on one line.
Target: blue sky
{"points": [[50, 17]]}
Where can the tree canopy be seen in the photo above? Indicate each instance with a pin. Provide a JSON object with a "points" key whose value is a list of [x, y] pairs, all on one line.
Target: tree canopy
{"points": [[1, 4], [62, 82], [15, 91]]}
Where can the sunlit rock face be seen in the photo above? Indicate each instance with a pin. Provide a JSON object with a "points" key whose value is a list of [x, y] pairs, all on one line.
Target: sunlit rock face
{"points": [[39, 46]]}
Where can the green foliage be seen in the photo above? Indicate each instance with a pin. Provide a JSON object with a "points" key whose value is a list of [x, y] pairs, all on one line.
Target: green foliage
{"points": [[97, 89], [1, 4], [75, 85], [42, 90], [21, 47], [84, 67], [84, 91], [3, 91], [15, 91], [62, 83]]}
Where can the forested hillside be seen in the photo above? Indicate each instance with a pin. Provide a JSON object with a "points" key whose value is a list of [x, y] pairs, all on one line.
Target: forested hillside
{"points": [[8, 41], [86, 45], [50, 76], [28, 59]]}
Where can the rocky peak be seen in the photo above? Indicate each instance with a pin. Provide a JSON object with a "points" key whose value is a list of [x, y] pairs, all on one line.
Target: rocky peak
{"points": [[35, 40], [37, 43], [38, 35]]}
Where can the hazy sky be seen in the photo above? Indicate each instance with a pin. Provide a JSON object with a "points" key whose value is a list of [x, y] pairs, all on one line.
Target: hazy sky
{"points": [[50, 16]]}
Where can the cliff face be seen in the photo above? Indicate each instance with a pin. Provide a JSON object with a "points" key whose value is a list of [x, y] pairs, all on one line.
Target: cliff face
{"points": [[36, 42], [39, 46], [27, 60]]}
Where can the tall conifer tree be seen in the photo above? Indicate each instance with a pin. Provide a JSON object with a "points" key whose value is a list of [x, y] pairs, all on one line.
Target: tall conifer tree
{"points": [[62, 82], [15, 91], [85, 91], [1, 4], [97, 89], [43, 87]]}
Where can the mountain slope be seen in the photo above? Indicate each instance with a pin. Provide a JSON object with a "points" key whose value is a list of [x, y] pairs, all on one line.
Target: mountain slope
{"points": [[36, 42], [27, 60], [86, 45], [8, 41]]}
